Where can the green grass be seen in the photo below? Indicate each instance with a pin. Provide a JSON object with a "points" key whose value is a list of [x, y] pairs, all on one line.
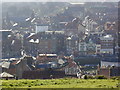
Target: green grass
{"points": [[61, 83]]}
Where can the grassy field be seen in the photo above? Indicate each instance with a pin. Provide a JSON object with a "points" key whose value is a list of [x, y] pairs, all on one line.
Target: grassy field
{"points": [[61, 83]]}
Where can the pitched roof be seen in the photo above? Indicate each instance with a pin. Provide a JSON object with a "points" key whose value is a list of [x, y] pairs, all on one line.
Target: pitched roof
{"points": [[4, 74], [111, 59], [5, 64]]}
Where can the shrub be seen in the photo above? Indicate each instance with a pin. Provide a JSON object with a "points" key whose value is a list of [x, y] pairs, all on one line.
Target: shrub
{"points": [[90, 77], [11, 85], [85, 77], [68, 77], [41, 84], [100, 77], [116, 78]]}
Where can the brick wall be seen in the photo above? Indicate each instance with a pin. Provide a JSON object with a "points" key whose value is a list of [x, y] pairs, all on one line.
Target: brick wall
{"points": [[44, 74]]}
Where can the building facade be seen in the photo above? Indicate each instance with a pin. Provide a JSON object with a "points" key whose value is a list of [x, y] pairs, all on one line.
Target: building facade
{"points": [[107, 44]]}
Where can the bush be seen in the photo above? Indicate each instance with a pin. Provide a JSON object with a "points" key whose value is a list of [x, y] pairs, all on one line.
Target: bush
{"points": [[116, 77], [69, 77], [90, 77], [85, 77], [100, 77]]}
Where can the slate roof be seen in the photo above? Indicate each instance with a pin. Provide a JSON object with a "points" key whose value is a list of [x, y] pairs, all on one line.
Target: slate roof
{"points": [[4, 74], [5, 64], [111, 59]]}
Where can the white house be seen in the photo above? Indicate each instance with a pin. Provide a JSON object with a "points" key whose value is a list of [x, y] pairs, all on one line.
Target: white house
{"points": [[107, 44], [108, 63], [41, 28]]}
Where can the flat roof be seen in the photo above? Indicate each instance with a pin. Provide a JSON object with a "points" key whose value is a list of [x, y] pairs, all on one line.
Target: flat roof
{"points": [[47, 54], [4, 30], [77, 3]]}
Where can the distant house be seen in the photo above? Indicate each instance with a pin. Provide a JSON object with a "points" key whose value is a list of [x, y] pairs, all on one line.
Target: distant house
{"points": [[81, 28], [109, 67], [72, 68], [107, 44], [6, 75], [8, 65], [21, 66], [45, 42], [17, 66], [110, 61], [51, 66], [4, 66], [41, 28], [109, 71], [44, 58], [82, 48], [71, 44], [87, 48], [11, 44]]}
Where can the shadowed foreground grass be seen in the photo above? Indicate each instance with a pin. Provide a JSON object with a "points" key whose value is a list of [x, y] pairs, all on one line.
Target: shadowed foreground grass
{"points": [[61, 83]]}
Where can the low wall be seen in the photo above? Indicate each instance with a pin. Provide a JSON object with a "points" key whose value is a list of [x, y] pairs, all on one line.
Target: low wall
{"points": [[45, 74]]}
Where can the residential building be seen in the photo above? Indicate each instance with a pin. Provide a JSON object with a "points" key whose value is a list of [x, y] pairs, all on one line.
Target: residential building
{"points": [[81, 28], [21, 66], [87, 48], [45, 43], [91, 47], [11, 45], [44, 58], [5, 34], [110, 61], [109, 71], [82, 48], [41, 28], [110, 66], [107, 44], [16, 66], [98, 48], [72, 68], [71, 44]]}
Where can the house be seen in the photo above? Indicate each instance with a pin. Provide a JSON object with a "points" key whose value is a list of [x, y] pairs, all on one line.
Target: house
{"points": [[82, 48], [17, 66], [91, 47], [98, 48], [24, 64], [51, 66], [107, 44], [45, 42], [109, 71], [40, 28], [81, 28], [5, 65], [71, 69], [71, 44], [110, 61], [87, 48], [11, 44], [110, 66], [6, 75], [44, 58]]}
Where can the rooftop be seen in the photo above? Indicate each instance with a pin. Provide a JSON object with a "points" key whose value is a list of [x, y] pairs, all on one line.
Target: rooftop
{"points": [[111, 59], [5, 30], [107, 36], [47, 54], [5, 64]]}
